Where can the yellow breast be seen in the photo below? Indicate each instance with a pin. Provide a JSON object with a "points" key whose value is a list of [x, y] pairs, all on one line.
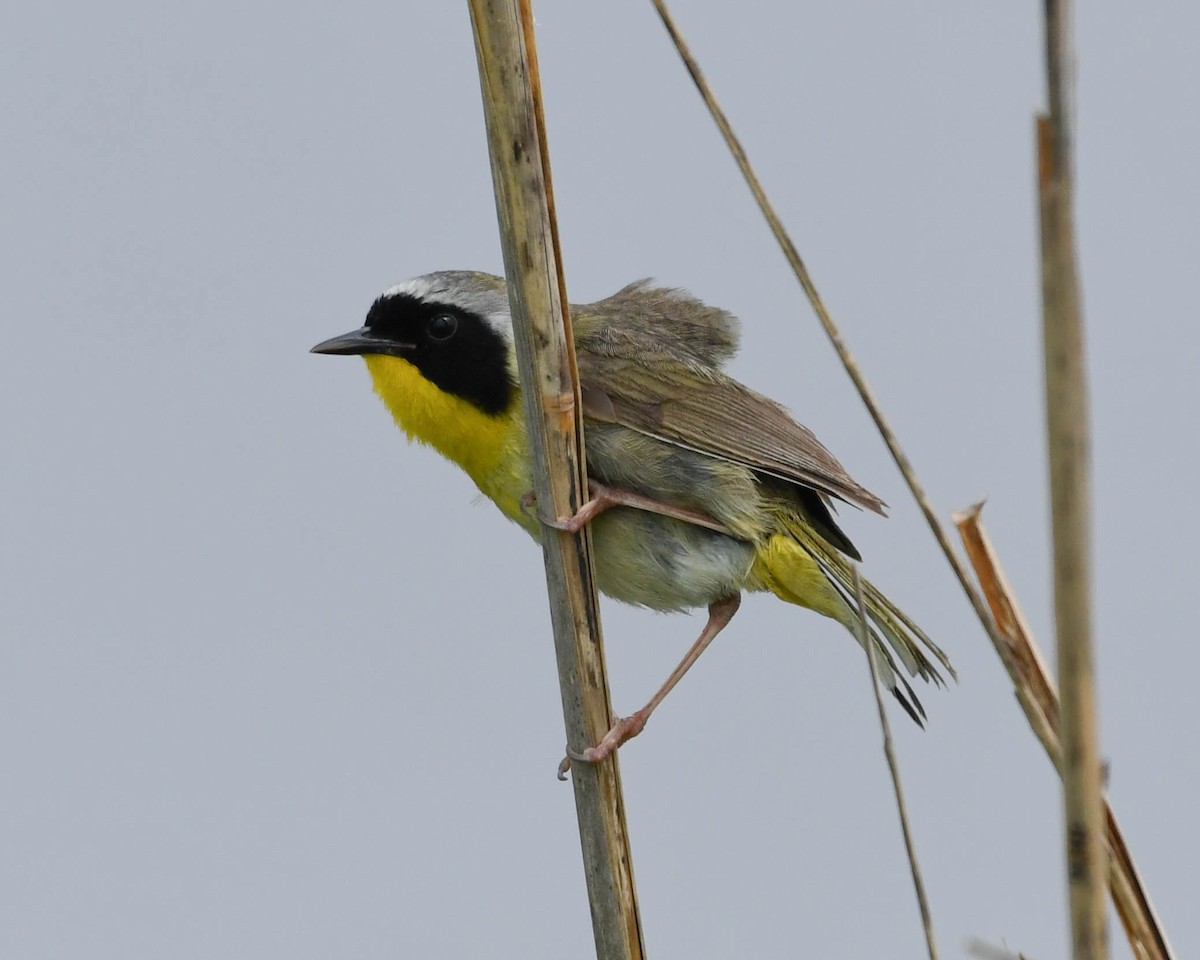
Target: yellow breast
{"points": [[491, 449]]}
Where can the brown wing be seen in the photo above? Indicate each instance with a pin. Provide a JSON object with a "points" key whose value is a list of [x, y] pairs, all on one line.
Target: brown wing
{"points": [[640, 383], [668, 320]]}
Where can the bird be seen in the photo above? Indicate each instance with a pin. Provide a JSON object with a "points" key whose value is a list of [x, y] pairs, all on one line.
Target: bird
{"points": [[700, 488]]}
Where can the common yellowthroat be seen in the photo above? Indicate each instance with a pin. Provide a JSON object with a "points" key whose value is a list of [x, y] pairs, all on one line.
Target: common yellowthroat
{"points": [[701, 488]]}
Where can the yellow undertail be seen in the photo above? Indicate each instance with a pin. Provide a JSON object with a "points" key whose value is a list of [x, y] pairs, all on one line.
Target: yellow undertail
{"points": [[802, 568]]}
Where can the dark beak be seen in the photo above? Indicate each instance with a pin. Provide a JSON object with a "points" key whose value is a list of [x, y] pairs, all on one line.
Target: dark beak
{"points": [[362, 341]]}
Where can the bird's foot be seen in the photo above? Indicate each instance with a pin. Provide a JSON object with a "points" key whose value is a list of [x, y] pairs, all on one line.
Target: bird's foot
{"points": [[580, 519], [623, 730], [604, 497]]}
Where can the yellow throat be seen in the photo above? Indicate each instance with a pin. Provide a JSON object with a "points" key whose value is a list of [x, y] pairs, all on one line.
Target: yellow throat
{"points": [[488, 448]]}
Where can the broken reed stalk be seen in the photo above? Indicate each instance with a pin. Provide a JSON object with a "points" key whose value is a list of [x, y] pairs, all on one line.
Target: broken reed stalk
{"points": [[1036, 693], [1070, 497], [504, 44], [864, 637]]}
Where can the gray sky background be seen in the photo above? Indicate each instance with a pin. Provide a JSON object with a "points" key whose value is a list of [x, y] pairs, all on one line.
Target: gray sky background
{"points": [[273, 686]]}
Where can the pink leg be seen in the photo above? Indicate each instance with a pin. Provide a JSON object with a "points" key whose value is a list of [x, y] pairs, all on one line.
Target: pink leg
{"points": [[604, 497], [720, 612]]}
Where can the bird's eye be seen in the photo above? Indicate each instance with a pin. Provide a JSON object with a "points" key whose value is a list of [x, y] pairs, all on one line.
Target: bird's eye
{"points": [[441, 326]]}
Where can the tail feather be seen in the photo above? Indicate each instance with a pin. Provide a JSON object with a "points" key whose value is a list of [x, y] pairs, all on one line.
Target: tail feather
{"points": [[912, 706], [893, 633]]}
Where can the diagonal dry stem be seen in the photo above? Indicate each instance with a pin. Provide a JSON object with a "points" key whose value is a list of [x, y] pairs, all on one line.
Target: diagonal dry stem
{"points": [[831, 329], [864, 637], [1146, 935]]}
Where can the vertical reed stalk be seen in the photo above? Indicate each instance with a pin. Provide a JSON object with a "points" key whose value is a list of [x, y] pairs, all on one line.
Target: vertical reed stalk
{"points": [[1070, 497], [504, 43]]}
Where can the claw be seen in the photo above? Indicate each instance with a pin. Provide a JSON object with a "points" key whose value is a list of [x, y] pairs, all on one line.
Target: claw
{"points": [[572, 524], [622, 731], [604, 497]]}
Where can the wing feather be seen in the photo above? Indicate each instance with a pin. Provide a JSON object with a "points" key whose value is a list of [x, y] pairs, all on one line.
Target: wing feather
{"points": [[643, 383]]}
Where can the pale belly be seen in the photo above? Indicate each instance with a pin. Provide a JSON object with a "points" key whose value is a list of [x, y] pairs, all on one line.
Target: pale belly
{"points": [[666, 564], [662, 563], [643, 558]]}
